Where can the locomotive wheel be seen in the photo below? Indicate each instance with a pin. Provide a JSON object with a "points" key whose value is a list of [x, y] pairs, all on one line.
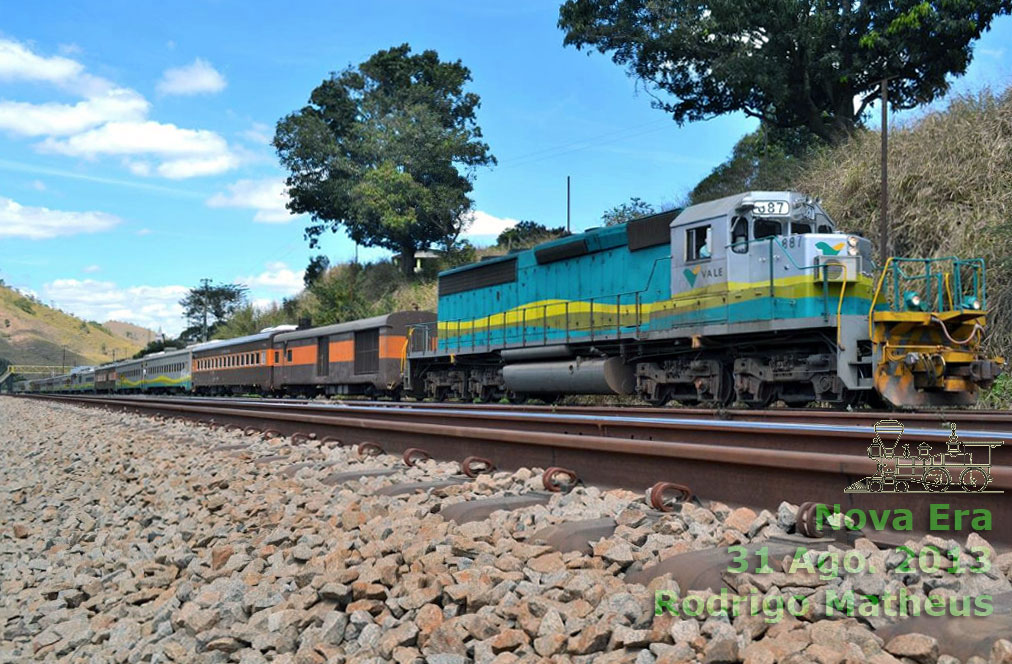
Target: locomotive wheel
{"points": [[973, 479], [937, 479], [515, 398], [662, 398]]}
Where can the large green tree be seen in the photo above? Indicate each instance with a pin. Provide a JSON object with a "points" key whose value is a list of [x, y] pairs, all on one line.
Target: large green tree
{"points": [[790, 63], [207, 306], [388, 151]]}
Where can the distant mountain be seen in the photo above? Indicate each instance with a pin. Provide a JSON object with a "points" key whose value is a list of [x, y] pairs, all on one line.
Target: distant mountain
{"points": [[32, 333], [130, 332]]}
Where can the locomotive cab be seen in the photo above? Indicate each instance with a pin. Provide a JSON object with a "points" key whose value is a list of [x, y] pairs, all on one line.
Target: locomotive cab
{"points": [[759, 239]]}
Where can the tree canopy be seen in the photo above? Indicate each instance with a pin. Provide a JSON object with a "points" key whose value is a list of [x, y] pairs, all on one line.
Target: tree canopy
{"points": [[527, 233], [796, 63], [207, 305], [387, 150], [634, 209]]}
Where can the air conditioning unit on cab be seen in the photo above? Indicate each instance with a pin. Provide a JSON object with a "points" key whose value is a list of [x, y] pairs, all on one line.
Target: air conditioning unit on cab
{"points": [[837, 269]]}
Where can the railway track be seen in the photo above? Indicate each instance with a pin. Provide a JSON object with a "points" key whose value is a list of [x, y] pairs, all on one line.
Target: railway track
{"points": [[756, 462]]}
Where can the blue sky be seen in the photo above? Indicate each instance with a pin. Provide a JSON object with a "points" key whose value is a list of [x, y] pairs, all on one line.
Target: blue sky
{"points": [[134, 138]]}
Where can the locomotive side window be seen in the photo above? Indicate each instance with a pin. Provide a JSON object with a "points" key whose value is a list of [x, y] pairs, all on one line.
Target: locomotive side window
{"points": [[800, 228], [767, 228], [739, 235], [697, 244]]}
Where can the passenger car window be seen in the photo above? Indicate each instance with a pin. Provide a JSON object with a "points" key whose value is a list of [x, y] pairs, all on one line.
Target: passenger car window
{"points": [[697, 244]]}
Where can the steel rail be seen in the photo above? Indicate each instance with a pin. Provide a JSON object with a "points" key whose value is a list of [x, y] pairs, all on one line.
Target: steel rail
{"points": [[717, 460], [973, 419]]}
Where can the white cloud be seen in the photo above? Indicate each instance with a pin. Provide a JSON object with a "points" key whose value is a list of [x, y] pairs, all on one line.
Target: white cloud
{"points": [[54, 119], [188, 168], [258, 133], [277, 278], [18, 63], [38, 185], [267, 197], [197, 77], [91, 269], [109, 119], [483, 223], [37, 223], [187, 152], [132, 138], [152, 307]]}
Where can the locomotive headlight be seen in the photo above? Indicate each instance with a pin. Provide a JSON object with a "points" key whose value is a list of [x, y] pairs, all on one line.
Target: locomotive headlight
{"points": [[971, 303], [852, 251], [912, 301], [852, 241]]}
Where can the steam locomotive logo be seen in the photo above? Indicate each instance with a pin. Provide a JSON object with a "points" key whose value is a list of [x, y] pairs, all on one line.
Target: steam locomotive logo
{"points": [[828, 249], [964, 467]]}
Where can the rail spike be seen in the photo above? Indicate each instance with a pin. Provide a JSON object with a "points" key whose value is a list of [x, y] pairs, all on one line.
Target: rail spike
{"points": [[805, 522], [369, 449], [551, 481], [660, 495], [413, 455], [473, 466]]}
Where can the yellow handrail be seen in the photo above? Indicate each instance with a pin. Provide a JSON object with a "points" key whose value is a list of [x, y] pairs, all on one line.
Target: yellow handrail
{"points": [[874, 299], [839, 309]]}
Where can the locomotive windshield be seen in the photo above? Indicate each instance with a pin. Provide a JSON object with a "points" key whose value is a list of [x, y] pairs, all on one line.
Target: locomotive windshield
{"points": [[768, 228]]}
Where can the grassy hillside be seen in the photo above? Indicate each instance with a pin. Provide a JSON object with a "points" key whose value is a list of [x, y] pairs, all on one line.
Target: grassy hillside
{"points": [[950, 190], [130, 332], [32, 333]]}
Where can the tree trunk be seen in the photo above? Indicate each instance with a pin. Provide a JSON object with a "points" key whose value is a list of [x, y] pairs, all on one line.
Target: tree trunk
{"points": [[408, 262]]}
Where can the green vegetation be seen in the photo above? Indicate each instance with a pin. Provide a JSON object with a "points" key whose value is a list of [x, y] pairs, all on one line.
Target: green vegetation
{"points": [[207, 306], [36, 334], [24, 305], [635, 208], [793, 65], [388, 151]]}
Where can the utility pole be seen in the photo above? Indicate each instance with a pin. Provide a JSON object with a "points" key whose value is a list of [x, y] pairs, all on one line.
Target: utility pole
{"points": [[205, 285], [567, 204], [63, 367], [883, 240]]}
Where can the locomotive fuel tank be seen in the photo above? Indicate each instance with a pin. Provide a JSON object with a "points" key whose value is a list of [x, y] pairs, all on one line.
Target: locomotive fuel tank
{"points": [[574, 376]]}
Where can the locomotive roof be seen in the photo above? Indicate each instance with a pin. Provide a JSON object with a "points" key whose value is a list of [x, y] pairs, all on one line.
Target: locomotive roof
{"points": [[709, 209], [722, 207]]}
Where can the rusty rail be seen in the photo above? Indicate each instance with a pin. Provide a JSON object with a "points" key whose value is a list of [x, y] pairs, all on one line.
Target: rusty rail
{"points": [[749, 463]]}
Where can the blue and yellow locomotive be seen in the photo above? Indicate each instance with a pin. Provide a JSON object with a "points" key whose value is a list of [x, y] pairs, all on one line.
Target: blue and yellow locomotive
{"points": [[752, 298]]}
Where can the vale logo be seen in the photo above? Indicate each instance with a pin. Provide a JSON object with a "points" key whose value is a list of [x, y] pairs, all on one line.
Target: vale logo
{"points": [[829, 250], [691, 275]]}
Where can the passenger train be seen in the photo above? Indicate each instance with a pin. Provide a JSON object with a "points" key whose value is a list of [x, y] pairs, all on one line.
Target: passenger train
{"points": [[751, 298]]}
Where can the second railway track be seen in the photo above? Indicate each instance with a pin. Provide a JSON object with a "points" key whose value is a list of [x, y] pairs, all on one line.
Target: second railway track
{"points": [[756, 462]]}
